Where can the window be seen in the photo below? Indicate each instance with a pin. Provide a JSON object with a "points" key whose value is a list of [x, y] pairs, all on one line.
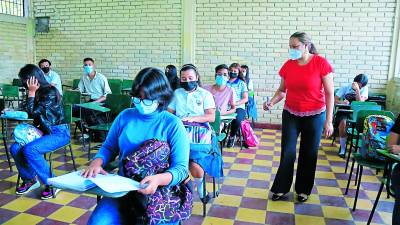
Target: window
{"points": [[12, 7]]}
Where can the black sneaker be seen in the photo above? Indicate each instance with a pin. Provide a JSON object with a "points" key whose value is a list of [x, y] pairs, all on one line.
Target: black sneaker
{"points": [[278, 196], [231, 142], [302, 197], [27, 187], [48, 194]]}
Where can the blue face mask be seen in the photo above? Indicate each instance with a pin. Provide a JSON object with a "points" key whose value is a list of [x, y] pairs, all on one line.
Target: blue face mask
{"points": [[295, 54], [88, 69], [220, 80], [147, 108]]}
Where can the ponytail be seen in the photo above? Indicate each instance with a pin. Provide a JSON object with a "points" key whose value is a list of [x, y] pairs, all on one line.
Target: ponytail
{"points": [[312, 49]]}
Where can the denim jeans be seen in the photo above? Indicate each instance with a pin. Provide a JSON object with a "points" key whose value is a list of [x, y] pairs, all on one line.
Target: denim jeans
{"points": [[114, 211], [29, 159], [235, 125], [396, 187], [310, 128]]}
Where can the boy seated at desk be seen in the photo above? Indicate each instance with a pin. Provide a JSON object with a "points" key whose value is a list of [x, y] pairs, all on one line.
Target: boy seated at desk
{"points": [[356, 91], [394, 147]]}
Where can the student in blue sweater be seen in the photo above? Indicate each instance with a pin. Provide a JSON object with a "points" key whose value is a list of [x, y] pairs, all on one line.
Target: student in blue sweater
{"points": [[147, 120]]}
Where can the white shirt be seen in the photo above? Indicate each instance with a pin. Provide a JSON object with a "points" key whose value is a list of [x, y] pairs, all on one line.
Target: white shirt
{"points": [[191, 103], [53, 78], [96, 88]]}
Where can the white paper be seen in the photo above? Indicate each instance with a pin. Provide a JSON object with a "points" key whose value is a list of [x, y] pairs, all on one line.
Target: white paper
{"points": [[113, 183], [73, 181]]}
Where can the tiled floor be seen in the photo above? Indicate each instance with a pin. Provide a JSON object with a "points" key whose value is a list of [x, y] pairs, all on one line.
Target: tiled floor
{"points": [[243, 196]]}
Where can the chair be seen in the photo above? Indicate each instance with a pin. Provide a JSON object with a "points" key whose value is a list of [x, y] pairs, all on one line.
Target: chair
{"points": [[216, 126], [356, 128], [71, 98], [361, 162], [115, 86], [126, 86], [75, 83], [17, 82], [10, 94]]}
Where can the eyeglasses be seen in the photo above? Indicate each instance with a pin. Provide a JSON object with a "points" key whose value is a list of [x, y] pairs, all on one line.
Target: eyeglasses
{"points": [[146, 102]]}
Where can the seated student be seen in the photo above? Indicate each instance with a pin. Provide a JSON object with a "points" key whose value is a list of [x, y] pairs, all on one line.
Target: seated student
{"points": [[96, 86], [192, 103], [251, 108], [223, 95], [394, 147], [237, 83], [170, 72], [44, 106], [151, 96], [50, 75], [356, 91]]}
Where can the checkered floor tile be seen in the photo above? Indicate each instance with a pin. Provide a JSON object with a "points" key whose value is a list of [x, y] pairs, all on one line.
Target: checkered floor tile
{"points": [[243, 196]]}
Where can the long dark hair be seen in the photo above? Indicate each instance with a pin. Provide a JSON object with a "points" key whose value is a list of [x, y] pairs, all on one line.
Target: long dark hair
{"points": [[172, 76], [154, 85], [305, 39], [362, 79], [191, 67], [247, 75], [237, 66], [31, 70]]}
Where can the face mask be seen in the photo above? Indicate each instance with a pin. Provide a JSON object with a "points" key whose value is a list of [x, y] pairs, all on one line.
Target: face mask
{"points": [[233, 75], [189, 86], [145, 109], [45, 69], [88, 69], [295, 54], [220, 80]]}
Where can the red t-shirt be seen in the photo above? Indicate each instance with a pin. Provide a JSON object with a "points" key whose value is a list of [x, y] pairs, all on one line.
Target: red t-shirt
{"points": [[304, 90]]}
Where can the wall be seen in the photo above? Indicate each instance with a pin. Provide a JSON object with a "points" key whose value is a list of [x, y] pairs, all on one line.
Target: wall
{"points": [[16, 45], [124, 36]]}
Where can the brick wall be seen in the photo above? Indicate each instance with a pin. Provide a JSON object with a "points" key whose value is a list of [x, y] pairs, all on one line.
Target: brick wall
{"points": [[15, 46], [122, 36]]}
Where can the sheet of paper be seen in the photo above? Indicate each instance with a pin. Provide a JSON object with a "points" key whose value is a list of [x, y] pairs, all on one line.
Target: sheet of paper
{"points": [[72, 181], [113, 183]]}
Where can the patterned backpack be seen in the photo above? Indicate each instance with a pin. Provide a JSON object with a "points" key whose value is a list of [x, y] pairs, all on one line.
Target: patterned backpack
{"points": [[376, 129], [167, 204]]}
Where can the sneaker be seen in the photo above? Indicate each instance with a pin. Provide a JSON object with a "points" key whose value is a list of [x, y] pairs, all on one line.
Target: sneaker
{"points": [[47, 194], [27, 187], [84, 138], [302, 197], [278, 196], [231, 142]]}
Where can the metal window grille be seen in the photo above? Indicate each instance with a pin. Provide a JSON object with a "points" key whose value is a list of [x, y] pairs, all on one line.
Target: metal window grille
{"points": [[12, 7]]}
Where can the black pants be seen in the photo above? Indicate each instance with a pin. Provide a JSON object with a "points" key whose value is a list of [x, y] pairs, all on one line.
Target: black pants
{"points": [[310, 128], [235, 125], [396, 187]]}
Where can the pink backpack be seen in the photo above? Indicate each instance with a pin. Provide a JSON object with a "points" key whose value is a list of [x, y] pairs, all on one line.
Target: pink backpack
{"points": [[250, 139]]}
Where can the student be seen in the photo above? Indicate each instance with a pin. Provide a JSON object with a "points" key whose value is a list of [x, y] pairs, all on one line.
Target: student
{"points": [[170, 72], [93, 83], [192, 103], [394, 147], [307, 84], [50, 75], [356, 91], [223, 95], [244, 69], [251, 107], [237, 83], [44, 106], [151, 96], [96, 86]]}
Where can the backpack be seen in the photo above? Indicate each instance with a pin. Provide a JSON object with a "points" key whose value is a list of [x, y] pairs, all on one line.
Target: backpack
{"points": [[376, 130], [169, 204], [249, 137], [25, 133]]}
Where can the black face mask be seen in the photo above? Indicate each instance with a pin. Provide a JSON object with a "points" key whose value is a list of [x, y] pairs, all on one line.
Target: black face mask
{"points": [[189, 86], [233, 75], [46, 69]]}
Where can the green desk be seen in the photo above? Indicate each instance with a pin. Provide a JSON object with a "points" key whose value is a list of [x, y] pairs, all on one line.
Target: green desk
{"points": [[94, 106], [229, 116]]}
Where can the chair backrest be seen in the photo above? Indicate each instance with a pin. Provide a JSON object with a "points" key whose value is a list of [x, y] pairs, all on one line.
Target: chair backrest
{"points": [[9, 91], [17, 82], [127, 84], [75, 83], [115, 85], [117, 102], [68, 113], [362, 114], [71, 97], [217, 122], [358, 108], [355, 103]]}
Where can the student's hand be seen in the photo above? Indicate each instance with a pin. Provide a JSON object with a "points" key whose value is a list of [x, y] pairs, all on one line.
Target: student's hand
{"points": [[395, 149], [328, 129], [33, 85], [355, 87], [346, 102], [152, 185], [94, 168], [268, 106], [187, 119]]}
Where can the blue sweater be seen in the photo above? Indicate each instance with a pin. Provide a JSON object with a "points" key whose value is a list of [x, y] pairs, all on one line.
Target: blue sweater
{"points": [[130, 129]]}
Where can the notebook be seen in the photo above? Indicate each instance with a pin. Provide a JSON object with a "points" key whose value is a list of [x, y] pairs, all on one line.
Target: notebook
{"points": [[111, 183]]}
